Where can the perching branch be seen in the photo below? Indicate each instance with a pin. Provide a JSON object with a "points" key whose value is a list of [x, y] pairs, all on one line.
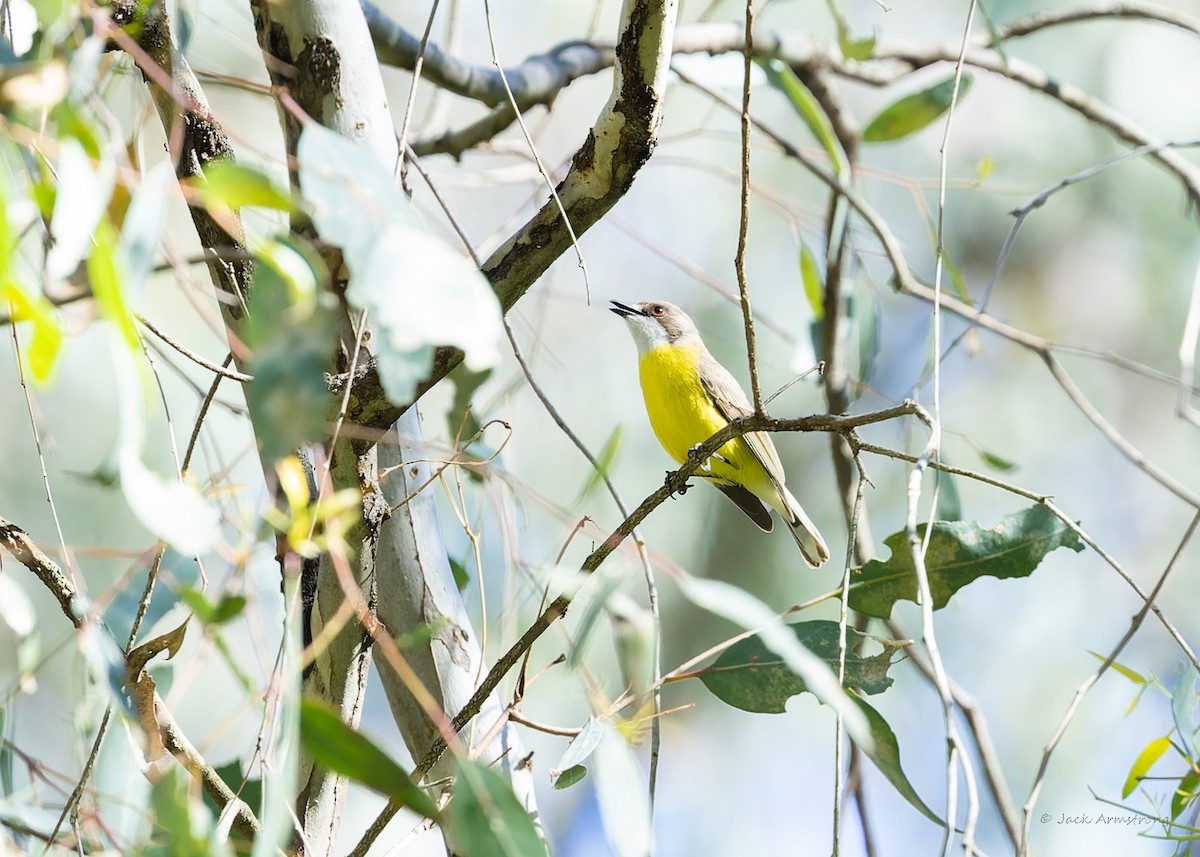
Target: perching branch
{"points": [[675, 481]]}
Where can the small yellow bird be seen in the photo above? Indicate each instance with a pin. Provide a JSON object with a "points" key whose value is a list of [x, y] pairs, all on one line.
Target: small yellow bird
{"points": [[689, 396]]}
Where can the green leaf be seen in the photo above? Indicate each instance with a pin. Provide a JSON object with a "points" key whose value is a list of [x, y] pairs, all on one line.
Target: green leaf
{"points": [[856, 49], [82, 192], [868, 322], [186, 825], [885, 753], [959, 553], [913, 112], [421, 634], [997, 43], [814, 284], [996, 462], [851, 48], [606, 458], [292, 335], [1183, 708], [580, 748], [1150, 754], [420, 293], [106, 270], [1185, 793], [749, 676], [346, 751], [143, 225], [570, 777], [250, 791], [957, 280], [230, 185], [229, 607], [810, 111], [461, 577], [485, 819], [949, 503], [461, 419], [737, 605]]}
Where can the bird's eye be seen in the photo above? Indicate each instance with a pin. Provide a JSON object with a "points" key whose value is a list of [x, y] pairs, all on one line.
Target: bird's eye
{"points": [[657, 310]]}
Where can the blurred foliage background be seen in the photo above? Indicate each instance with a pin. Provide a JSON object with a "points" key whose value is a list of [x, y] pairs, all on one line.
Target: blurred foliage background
{"points": [[1107, 265]]}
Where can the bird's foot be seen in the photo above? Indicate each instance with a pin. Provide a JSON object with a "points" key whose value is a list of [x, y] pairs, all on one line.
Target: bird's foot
{"points": [[706, 465], [683, 489]]}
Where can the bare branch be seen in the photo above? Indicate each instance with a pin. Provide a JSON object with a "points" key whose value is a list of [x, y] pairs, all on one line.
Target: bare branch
{"points": [[675, 481], [601, 172]]}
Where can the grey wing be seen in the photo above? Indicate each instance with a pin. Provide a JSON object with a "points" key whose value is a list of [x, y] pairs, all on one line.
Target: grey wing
{"points": [[729, 398], [748, 503]]}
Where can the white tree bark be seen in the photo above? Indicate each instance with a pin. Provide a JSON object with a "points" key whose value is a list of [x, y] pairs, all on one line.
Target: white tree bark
{"points": [[335, 78], [416, 587]]}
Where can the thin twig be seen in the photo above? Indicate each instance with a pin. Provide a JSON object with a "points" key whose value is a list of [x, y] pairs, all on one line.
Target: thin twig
{"points": [[537, 158], [739, 262], [843, 623], [1090, 682], [231, 374], [955, 754], [402, 136]]}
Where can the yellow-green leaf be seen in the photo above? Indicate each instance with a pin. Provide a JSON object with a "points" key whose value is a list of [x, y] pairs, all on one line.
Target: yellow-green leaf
{"points": [[1187, 791], [780, 76], [1133, 675], [814, 287], [1150, 754], [913, 112], [106, 272], [235, 185], [42, 350]]}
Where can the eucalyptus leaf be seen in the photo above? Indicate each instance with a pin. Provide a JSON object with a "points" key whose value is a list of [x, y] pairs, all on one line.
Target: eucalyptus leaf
{"points": [[228, 184], [810, 111], [291, 332], [418, 292], [914, 112], [737, 605], [581, 746], [346, 751], [750, 676], [885, 753], [814, 282], [485, 818], [1183, 708], [1185, 793], [83, 191], [1145, 760], [570, 777], [949, 503], [622, 796], [184, 825], [959, 553]]}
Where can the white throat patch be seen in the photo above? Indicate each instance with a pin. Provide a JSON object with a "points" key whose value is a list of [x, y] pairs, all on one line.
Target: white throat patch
{"points": [[648, 334]]}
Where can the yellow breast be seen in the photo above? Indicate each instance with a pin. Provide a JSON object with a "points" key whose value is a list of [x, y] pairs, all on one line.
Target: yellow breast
{"points": [[682, 414]]}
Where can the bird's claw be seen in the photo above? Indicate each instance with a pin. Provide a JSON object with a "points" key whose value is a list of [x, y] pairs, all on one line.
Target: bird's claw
{"points": [[683, 489]]}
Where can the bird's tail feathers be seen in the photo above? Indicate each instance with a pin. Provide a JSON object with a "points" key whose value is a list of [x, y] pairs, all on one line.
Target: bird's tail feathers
{"points": [[804, 531]]}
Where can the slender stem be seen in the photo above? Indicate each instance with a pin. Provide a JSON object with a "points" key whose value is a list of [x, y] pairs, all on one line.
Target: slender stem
{"points": [[739, 262]]}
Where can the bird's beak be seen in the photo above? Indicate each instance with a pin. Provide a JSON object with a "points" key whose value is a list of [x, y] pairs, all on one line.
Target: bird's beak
{"points": [[624, 310]]}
